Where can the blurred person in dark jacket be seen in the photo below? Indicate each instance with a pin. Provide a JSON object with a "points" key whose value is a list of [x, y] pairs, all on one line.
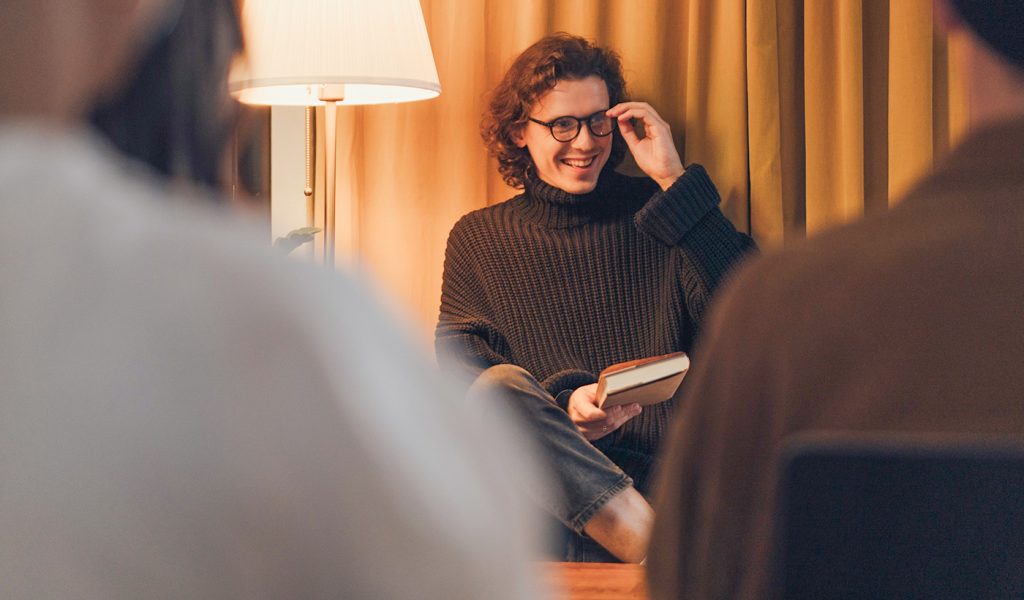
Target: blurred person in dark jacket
{"points": [[907, 323]]}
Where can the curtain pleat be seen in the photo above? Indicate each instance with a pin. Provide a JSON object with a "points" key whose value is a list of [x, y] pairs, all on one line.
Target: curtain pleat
{"points": [[911, 139], [715, 116], [806, 113], [834, 112], [875, 24]]}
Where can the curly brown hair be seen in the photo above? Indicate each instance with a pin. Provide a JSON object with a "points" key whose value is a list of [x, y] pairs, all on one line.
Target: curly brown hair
{"points": [[539, 68]]}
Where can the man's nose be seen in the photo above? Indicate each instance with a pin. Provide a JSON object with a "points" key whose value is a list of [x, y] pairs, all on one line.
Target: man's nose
{"points": [[585, 140]]}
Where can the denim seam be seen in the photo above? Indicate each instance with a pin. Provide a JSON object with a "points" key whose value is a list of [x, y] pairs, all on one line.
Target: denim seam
{"points": [[588, 512]]}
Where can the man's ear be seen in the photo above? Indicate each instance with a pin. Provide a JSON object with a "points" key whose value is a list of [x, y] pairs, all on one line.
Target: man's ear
{"points": [[947, 20], [518, 136]]}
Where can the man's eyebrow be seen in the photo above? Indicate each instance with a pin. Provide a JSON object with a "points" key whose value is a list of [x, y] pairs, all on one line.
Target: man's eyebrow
{"points": [[596, 112]]}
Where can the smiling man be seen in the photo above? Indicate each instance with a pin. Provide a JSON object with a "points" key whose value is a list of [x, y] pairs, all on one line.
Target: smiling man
{"points": [[583, 269]]}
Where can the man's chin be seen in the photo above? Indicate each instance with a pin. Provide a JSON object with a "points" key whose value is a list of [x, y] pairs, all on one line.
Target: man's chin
{"points": [[579, 186]]}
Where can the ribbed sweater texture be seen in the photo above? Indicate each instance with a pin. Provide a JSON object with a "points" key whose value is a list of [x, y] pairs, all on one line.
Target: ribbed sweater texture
{"points": [[564, 285]]}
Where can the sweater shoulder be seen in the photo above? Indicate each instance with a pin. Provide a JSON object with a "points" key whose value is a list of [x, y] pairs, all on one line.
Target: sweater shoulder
{"points": [[856, 267]]}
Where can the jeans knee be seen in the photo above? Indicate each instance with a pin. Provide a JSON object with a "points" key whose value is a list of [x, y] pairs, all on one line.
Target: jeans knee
{"points": [[503, 376], [512, 384]]}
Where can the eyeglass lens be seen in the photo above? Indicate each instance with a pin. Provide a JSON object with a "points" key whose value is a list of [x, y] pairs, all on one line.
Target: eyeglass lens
{"points": [[565, 129]]}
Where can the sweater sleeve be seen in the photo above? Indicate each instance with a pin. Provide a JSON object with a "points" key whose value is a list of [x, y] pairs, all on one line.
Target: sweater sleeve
{"points": [[686, 216], [466, 338], [563, 383]]}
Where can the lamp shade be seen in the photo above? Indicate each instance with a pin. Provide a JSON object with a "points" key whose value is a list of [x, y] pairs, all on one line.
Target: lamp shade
{"points": [[302, 52]]}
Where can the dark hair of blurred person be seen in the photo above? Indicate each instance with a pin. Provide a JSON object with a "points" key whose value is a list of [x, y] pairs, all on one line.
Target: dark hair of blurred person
{"points": [[175, 113]]}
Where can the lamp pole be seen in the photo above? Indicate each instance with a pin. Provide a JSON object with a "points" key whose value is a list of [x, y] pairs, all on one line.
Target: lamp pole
{"points": [[327, 52]]}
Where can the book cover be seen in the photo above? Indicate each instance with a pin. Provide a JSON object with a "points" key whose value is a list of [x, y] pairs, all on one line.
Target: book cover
{"points": [[644, 381]]}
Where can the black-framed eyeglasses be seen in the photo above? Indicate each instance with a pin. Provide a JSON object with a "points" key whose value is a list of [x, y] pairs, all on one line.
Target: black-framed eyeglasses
{"points": [[565, 129]]}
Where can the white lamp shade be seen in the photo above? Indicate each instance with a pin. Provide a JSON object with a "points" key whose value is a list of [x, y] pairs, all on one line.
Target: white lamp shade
{"points": [[378, 49]]}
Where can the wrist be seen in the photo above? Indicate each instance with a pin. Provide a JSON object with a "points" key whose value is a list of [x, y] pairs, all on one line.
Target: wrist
{"points": [[562, 399], [668, 179]]}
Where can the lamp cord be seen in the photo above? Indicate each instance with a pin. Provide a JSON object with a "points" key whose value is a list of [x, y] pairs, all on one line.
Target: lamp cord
{"points": [[308, 191]]}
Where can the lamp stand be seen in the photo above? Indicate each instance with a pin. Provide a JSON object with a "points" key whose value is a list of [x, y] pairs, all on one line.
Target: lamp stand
{"points": [[326, 216], [331, 180]]}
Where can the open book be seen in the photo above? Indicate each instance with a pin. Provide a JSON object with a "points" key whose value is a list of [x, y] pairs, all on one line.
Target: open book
{"points": [[643, 381]]}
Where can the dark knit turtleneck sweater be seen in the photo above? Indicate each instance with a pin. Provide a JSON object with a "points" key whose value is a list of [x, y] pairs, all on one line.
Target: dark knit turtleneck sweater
{"points": [[564, 285]]}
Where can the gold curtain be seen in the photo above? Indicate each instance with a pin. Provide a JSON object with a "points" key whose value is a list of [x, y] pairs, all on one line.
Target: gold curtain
{"points": [[806, 113]]}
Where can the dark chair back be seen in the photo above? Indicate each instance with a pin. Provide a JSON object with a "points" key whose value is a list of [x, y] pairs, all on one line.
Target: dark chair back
{"points": [[879, 520]]}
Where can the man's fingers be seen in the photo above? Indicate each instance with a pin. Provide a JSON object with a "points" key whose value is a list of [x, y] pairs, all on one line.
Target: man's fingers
{"points": [[632, 105], [628, 132], [605, 421], [588, 411], [628, 412], [651, 126], [636, 110]]}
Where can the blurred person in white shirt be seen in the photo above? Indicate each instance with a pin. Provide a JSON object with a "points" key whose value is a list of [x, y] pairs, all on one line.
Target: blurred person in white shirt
{"points": [[184, 414]]}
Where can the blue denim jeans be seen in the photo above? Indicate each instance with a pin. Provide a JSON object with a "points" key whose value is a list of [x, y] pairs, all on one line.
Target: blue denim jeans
{"points": [[585, 478]]}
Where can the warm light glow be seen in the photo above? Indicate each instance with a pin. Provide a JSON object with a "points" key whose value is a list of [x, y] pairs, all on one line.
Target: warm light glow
{"points": [[304, 95], [378, 49]]}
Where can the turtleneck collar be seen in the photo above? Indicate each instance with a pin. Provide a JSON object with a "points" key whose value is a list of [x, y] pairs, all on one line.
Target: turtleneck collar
{"points": [[555, 208]]}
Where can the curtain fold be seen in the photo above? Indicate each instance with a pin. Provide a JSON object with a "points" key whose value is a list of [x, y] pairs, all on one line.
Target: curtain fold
{"points": [[911, 102], [833, 112], [806, 113]]}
